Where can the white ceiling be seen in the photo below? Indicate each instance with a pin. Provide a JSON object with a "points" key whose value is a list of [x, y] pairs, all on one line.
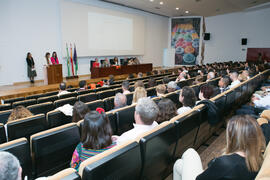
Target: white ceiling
{"points": [[195, 7]]}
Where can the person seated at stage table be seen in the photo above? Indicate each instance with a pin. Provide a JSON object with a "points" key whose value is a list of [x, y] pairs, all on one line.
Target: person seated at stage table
{"points": [[96, 138], [125, 87], [145, 115], [96, 63], [82, 85], [19, 112], [54, 58], [62, 87], [188, 98], [80, 109], [136, 61], [115, 61], [106, 63]]}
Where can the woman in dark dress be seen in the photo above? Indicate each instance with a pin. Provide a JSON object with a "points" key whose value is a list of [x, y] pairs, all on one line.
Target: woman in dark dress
{"points": [[31, 72]]}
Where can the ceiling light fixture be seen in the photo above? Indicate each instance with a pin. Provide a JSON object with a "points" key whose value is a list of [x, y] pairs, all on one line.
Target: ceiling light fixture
{"points": [[177, 8], [186, 12], [151, 0], [161, 3]]}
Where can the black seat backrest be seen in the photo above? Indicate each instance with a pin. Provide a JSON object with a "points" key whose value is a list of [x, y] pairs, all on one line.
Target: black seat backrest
{"points": [[57, 118], [4, 115], [113, 121], [108, 103], [41, 108], [174, 96], [3, 137], [24, 103], [125, 119], [10, 101], [187, 127], [129, 98], [196, 89], [20, 149], [26, 127], [220, 102], [105, 94], [62, 102], [230, 99], [4, 107], [117, 90], [52, 149], [87, 97], [64, 96], [35, 96], [151, 91], [51, 93], [47, 99], [95, 104], [72, 90], [158, 152], [182, 84], [85, 91], [125, 163]]}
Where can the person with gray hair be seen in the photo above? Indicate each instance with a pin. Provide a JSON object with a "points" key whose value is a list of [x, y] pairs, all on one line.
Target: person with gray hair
{"points": [[10, 168], [146, 113], [120, 100], [172, 86], [210, 76], [125, 87]]}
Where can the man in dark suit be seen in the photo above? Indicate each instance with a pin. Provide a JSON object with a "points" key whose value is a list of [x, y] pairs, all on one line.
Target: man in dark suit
{"points": [[223, 84]]}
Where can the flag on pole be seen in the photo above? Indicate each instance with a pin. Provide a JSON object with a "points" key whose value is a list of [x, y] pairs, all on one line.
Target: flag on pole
{"points": [[75, 60], [71, 60], [67, 60]]}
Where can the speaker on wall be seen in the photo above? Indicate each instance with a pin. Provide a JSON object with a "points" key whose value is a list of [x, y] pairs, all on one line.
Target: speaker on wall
{"points": [[244, 41], [206, 36]]}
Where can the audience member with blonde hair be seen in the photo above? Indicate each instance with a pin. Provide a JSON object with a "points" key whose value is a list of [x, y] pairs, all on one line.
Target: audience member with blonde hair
{"points": [[138, 84], [242, 158], [161, 90], [139, 92], [19, 112]]}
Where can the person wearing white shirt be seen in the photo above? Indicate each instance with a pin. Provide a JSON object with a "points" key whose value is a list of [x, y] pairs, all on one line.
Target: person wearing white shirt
{"points": [[145, 115], [234, 78], [187, 98], [125, 87], [261, 102], [245, 73], [181, 77], [62, 87]]}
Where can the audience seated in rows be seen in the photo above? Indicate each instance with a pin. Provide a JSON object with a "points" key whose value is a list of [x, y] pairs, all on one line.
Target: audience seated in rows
{"points": [[146, 113], [125, 87], [130, 76], [167, 110], [111, 79], [79, 111], [139, 92], [234, 78], [242, 158], [165, 80], [151, 82], [199, 79], [265, 124], [172, 86], [62, 87], [206, 92], [105, 83], [188, 99], [161, 90], [82, 85], [223, 84], [96, 138], [19, 112], [181, 77], [210, 76], [120, 100], [10, 168], [138, 83], [140, 75]]}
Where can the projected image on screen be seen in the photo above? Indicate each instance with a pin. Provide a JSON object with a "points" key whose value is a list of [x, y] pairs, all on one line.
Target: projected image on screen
{"points": [[107, 32]]}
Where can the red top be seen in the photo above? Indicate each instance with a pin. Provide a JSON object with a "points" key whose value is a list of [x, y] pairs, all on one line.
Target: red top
{"points": [[95, 64], [54, 61]]}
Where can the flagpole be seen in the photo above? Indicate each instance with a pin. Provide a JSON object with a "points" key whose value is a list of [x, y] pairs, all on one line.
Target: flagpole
{"points": [[67, 60]]}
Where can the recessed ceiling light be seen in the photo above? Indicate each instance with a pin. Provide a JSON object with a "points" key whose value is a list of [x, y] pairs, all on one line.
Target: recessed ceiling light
{"points": [[161, 3], [186, 12], [151, 0], [177, 8]]}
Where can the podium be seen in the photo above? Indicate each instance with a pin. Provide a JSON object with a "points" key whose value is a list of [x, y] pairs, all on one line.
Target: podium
{"points": [[54, 74]]}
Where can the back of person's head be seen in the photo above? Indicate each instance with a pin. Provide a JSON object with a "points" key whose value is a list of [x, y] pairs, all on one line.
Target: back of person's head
{"points": [[130, 76], [242, 77], [111, 79], [206, 91], [125, 85], [148, 73], [140, 75], [161, 89], [82, 84], [187, 97], [139, 92], [234, 75], [165, 80], [152, 82], [171, 86], [139, 84], [19, 112], [10, 168], [167, 110], [243, 134], [79, 111], [62, 86], [147, 110], [96, 131], [120, 100]]}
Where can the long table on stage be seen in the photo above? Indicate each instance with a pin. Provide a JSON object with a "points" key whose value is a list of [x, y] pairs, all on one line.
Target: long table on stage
{"points": [[119, 70]]}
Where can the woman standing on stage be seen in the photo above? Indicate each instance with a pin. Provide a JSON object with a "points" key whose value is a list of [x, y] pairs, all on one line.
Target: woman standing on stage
{"points": [[47, 58], [54, 58], [31, 72]]}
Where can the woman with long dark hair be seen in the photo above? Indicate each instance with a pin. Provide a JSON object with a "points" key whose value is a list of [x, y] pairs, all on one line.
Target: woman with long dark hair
{"points": [[96, 138], [54, 58], [31, 72]]}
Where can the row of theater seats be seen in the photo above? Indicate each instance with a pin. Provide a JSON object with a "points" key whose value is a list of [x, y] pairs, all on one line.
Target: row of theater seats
{"points": [[99, 93], [151, 156]]}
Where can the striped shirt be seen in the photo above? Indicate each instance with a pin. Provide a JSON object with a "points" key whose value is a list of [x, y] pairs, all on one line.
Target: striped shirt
{"points": [[81, 154]]}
